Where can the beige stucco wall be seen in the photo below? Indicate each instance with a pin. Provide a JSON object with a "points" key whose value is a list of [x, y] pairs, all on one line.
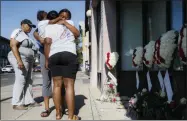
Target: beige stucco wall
{"points": [[93, 74], [109, 32], [107, 39]]}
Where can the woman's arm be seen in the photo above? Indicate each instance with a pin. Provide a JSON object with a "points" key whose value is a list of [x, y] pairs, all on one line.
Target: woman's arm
{"points": [[54, 21], [47, 46], [37, 37], [14, 45], [73, 29]]}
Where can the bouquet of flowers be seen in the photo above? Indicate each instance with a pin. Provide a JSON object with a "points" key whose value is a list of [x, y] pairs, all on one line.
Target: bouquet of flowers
{"points": [[147, 105], [111, 59], [164, 49], [174, 111], [148, 54], [137, 57], [182, 45], [153, 106], [134, 106], [109, 93]]}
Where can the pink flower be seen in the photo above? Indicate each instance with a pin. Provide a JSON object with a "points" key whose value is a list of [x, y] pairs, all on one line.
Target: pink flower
{"points": [[114, 100], [111, 86]]}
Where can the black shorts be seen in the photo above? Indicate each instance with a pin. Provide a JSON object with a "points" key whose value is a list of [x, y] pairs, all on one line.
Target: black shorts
{"points": [[63, 64]]}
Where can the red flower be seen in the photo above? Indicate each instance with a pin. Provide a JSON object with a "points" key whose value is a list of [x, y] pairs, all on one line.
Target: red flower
{"points": [[108, 59], [111, 86], [134, 64], [114, 100], [144, 59], [172, 104], [117, 95], [134, 55], [181, 51]]}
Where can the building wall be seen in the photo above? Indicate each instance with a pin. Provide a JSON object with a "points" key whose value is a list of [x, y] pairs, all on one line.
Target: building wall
{"points": [[185, 11], [93, 74], [108, 39], [103, 40]]}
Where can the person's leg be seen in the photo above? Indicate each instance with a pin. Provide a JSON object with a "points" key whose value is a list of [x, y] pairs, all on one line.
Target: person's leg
{"points": [[69, 73], [29, 99], [70, 96], [57, 95], [63, 99], [46, 87], [18, 88]]}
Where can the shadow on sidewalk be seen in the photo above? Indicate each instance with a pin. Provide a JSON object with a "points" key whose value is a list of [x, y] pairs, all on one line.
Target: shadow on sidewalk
{"points": [[39, 99], [5, 99], [79, 103]]}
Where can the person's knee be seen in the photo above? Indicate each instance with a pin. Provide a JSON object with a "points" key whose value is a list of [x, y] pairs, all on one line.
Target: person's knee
{"points": [[57, 82], [69, 83]]}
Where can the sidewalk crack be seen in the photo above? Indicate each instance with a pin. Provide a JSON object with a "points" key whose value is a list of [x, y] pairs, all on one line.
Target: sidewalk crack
{"points": [[91, 97], [23, 113]]}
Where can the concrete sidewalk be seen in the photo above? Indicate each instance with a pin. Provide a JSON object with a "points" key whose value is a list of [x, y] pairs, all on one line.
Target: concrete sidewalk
{"points": [[86, 105]]}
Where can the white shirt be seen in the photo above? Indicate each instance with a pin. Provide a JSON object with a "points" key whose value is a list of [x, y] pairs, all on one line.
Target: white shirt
{"points": [[19, 35], [41, 27], [62, 38], [26, 46]]}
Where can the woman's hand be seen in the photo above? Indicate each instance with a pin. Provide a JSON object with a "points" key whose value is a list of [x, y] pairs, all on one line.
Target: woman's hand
{"points": [[47, 64], [72, 28], [62, 22], [21, 65]]}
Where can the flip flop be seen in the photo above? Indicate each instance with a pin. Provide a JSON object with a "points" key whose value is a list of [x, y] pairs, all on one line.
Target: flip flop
{"points": [[75, 118], [45, 113]]}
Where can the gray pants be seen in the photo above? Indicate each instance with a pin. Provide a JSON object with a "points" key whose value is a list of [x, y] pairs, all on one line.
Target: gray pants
{"points": [[22, 90], [47, 86]]}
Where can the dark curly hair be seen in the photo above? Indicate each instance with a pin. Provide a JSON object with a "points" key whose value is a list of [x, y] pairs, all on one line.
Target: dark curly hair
{"points": [[52, 15], [67, 11], [40, 15]]}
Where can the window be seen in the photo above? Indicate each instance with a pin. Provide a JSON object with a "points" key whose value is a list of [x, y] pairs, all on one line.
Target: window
{"points": [[8, 66], [176, 14], [99, 35], [177, 23], [156, 21], [131, 31], [144, 21]]}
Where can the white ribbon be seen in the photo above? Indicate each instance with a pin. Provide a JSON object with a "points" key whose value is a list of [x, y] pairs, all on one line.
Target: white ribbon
{"points": [[149, 81], [167, 84], [113, 78], [129, 53], [161, 81], [137, 80]]}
